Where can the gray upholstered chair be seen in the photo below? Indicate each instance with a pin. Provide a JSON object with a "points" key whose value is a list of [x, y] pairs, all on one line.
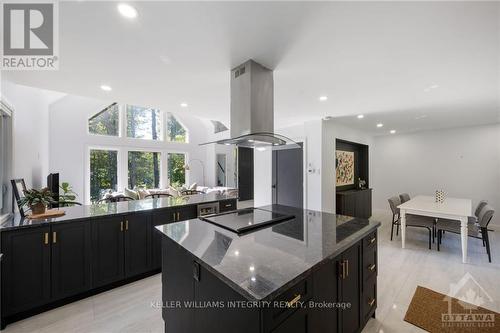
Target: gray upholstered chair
{"points": [[479, 231], [480, 205], [404, 197], [411, 220]]}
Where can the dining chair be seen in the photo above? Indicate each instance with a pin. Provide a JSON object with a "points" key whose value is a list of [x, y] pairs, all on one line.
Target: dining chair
{"points": [[404, 197], [157, 195], [115, 199], [479, 231], [411, 220], [479, 207]]}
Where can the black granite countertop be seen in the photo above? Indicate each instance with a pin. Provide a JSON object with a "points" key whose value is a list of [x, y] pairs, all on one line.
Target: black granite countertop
{"points": [[87, 212], [264, 262]]}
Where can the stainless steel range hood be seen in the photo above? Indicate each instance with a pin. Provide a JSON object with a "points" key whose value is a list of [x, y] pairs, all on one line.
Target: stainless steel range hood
{"points": [[252, 109]]}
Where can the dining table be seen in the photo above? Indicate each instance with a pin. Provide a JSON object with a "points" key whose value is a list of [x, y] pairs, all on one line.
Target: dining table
{"points": [[454, 209]]}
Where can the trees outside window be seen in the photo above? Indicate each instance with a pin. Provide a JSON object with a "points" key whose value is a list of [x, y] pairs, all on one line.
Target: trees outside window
{"points": [[175, 131], [143, 169], [103, 172], [143, 123], [106, 122], [176, 171]]}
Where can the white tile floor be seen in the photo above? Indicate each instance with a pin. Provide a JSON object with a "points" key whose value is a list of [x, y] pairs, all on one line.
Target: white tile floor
{"points": [[128, 308]]}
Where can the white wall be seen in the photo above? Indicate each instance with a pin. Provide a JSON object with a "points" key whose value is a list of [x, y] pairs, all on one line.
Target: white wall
{"points": [[30, 131], [464, 162], [333, 131], [70, 144]]}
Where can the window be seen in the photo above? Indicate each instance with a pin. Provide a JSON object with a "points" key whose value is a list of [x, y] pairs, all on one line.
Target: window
{"points": [[176, 171], [5, 157], [103, 172], [175, 131], [143, 123], [106, 122], [143, 169], [218, 126]]}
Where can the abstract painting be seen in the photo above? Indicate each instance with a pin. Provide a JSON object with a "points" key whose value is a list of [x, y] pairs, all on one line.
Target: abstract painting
{"points": [[344, 162]]}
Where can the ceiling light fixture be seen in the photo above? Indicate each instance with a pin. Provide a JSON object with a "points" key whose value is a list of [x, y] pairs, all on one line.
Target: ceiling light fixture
{"points": [[184, 105], [323, 98], [393, 131], [105, 87], [380, 125], [431, 87], [127, 11], [360, 116]]}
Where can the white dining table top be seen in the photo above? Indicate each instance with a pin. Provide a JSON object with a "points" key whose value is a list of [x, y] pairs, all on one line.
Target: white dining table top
{"points": [[450, 206]]}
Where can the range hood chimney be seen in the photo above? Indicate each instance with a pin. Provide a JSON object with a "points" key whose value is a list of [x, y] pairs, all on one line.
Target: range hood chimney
{"points": [[252, 109]]}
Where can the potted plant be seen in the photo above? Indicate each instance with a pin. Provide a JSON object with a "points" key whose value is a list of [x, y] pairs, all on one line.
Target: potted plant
{"points": [[68, 196], [36, 200]]}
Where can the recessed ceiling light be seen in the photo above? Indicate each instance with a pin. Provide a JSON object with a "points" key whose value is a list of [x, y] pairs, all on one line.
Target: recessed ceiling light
{"points": [[327, 118], [251, 140], [393, 131], [253, 278], [252, 268], [127, 11], [227, 144], [236, 253], [105, 87], [323, 98], [261, 149], [184, 105], [360, 116], [380, 125]]}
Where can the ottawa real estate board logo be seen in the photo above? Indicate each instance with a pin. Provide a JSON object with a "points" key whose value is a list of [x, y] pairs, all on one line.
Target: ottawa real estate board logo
{"points": [[30, 36]]}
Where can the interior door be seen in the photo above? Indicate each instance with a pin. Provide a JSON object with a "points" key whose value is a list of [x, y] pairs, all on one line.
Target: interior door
{"points": [[245, 173], [288, 177]]}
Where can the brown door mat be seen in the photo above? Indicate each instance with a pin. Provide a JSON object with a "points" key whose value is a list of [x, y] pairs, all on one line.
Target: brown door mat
{"points": [[436, 312]]}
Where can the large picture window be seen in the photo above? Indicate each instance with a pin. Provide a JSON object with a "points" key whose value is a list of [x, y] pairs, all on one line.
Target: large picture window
{"points": [[175, 130], [106, 122], [176, 171], [143, 123], [143, 169], [103, 172]]}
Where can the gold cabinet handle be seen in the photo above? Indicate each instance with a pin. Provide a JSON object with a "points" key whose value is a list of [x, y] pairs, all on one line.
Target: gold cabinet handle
{"points": [[372, 240], [121, 225], [293, 301], [370, 303], [342, 274], [126, 224], [46, 238], [54, 237], [347, 267], [178, 216], [173, 216], [372, 267]]}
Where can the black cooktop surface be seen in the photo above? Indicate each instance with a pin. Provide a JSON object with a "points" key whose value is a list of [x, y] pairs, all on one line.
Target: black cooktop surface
{"points": [[244, 220]]}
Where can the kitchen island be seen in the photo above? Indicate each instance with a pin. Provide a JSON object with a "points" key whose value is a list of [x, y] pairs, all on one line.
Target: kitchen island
{"points": [[92, 248], [314, 272]]}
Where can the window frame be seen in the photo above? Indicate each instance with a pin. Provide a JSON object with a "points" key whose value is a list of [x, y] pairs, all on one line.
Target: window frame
{"points": [[163, 127], [120, 122], [6, 148], [186, 161], [119, 171], [167, 113], [148, 150]]}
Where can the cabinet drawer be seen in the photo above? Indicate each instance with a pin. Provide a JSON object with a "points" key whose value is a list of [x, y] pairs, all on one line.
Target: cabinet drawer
{"points": [[369, 299], [370, 265], [370, 241], [301, 292], [227, 205]]}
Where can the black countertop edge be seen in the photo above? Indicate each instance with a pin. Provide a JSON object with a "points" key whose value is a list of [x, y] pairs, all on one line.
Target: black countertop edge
{"points": [[345, 244], [80, 213]]}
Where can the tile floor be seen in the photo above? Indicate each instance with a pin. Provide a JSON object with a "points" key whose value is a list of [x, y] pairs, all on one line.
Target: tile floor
{"points": [[129, 309]]}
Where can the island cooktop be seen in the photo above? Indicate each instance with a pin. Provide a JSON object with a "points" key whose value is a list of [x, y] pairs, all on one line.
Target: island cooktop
{"points": [[244, 220]]}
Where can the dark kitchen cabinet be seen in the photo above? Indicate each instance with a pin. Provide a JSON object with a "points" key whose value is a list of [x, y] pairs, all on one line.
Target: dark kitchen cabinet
{"points": [[350, 288], [70, 258], [357, 203], [165, 216], [326, 280], [25, 269], [137, 244], [298, 322], [108, 250]]}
